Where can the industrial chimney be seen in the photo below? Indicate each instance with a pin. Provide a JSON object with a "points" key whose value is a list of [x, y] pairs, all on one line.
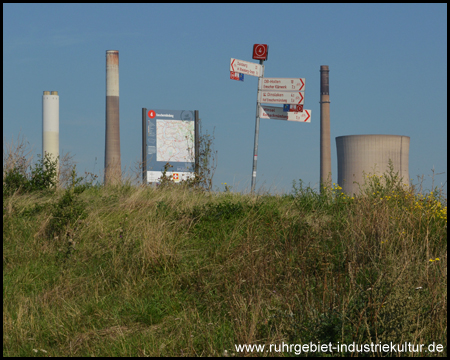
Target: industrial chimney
{"points": [[50, 125], [113, 170], [325, 141]]}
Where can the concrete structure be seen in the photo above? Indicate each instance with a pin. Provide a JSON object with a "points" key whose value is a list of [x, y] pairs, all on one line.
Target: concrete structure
{"points": [[371, 154], [113, 170], [325, 140], [50, 124]]}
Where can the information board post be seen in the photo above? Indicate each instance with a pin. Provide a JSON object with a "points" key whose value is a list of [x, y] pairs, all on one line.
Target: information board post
{"points": [[196, 143], [255, 150], [144, 148]]}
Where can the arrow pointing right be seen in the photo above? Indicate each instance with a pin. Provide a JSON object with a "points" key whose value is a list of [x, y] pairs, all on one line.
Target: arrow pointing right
{"points": [[309, 115], [304, 116], [303, 84]]}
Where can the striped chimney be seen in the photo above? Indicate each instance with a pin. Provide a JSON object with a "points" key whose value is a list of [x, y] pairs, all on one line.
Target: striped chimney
{"points": [[113, 170], [325, 141]]}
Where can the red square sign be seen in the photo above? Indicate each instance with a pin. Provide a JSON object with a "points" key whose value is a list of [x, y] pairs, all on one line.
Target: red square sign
{"points": [[260, 51]]}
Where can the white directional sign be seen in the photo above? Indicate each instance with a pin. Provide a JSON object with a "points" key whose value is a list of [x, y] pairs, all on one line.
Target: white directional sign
{"points": [[277, 113], [282, 97], [283, 84], [245, 67]]}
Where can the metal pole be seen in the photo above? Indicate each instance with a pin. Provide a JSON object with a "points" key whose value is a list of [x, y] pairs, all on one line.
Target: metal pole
{"points": [[255, 150], [144, 146], [196, 142]]}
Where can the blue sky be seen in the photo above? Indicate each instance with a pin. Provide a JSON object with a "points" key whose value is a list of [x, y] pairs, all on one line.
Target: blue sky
{"points": [[388, 75]]}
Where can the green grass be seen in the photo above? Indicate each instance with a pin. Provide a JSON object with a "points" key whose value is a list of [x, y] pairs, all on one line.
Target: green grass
{"points": [[132, 271]]}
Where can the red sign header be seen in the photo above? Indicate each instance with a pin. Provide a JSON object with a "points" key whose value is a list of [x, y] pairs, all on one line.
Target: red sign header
{"points": [[260, 51]]}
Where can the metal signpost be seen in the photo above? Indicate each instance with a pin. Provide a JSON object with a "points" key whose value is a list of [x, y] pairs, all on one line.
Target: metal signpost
{"points": [[169, 136], [286, 91], [255, 149]]}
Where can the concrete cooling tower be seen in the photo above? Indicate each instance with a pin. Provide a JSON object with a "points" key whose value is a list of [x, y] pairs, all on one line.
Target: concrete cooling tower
{"points": [[371, 154]]}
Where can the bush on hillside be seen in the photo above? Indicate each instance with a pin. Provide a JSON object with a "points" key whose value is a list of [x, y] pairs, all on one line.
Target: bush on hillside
{"points": [[42, 177]]}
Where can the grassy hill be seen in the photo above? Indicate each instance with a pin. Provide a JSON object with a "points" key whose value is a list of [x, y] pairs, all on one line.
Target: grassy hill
{"points": [[177, 271]]}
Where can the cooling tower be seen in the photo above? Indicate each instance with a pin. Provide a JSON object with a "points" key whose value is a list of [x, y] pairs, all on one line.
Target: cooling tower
{"points": [[371, 154], [325, 140], [113, 170], [50, 124]]}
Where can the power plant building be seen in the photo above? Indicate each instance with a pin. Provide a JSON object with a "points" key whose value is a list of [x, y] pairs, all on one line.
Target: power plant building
{"points": [[370, 154]]}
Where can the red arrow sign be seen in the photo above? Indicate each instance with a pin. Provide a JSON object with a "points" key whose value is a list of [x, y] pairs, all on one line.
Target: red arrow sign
{"points": [[281, 97], [283, 84], [304, 116], [245, 67], [309, 115], [277, 113]]}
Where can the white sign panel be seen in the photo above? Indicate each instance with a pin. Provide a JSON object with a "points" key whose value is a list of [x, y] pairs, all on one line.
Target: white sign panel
{"points": [[282, 97], [175, 140], [245, 67], [155, 176], [277, 113], [283, 84]]}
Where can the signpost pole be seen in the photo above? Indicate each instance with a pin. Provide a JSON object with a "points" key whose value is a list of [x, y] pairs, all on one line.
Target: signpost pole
{"points": [[255, 150]]}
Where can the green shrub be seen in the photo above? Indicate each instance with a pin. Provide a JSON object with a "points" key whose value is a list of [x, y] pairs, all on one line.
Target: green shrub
{"points": [[70, 208], [13, 181], [42, 177], [66, 212]]}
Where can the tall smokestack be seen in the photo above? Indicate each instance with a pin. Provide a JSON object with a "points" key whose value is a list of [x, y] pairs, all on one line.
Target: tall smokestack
{"points": [[113, 170], [325, 141], [50, 125]]}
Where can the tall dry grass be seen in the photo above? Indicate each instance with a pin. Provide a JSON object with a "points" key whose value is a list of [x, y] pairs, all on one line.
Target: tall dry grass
{"points": [[19, 156], [177, 271]]}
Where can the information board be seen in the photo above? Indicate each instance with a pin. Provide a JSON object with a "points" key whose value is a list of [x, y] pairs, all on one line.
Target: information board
{"points": [[169, 136]]}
